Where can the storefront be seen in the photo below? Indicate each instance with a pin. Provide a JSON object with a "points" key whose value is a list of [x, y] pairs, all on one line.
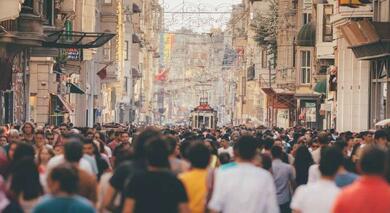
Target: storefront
{"points": [[371, 41], [281, 108]]}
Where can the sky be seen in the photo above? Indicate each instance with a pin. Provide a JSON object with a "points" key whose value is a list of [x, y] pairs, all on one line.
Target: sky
{"points": [[196, 21]]}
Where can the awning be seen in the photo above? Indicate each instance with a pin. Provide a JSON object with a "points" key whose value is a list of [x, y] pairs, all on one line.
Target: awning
{"points": [[280, 99], [10, 9], [136, 8], [320, 87], [73, 88], [306, 36], [65, 105], [367, 39], [72, 39]]}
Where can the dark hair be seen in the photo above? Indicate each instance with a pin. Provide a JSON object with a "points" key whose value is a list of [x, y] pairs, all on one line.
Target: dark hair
{"points": [[380, 134], [268, 143], [141, 139], [303, 161], [199, 155], [87, 141], [224, 158], [277, 152], [23, 150], [323, 138], [25, 179], [340, 144], [373, 160], [246, 147], [73, 137], [67, 176], [157, 153], [73, 151], [172, 143], [124, 132], [331, 160], [266, 161], [121, 154]]}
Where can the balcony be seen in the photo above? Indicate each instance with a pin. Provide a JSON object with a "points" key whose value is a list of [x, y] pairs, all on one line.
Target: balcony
{"points": [[27, 30]]}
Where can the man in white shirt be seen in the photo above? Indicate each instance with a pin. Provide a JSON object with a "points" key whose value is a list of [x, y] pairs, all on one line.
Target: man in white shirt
{"points": [[323, 140], [241, 186], [60, 159], [306, 200], [225, 147]]}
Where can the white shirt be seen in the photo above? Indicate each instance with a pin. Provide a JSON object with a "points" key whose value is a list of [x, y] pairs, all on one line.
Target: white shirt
{"points": [[316, 197], [314, 173], [60, 159], [229, 150], [316, 154], [243, 187]]}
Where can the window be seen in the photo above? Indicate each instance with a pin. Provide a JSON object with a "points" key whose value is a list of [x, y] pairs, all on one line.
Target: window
{"points": [[264, 62], [305, 67], [327, 28], [126, 53], [107, 51], [47, 12], [306, 18]]}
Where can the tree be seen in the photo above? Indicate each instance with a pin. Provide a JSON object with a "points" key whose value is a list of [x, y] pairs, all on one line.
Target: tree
{"points": [[266, 26]]}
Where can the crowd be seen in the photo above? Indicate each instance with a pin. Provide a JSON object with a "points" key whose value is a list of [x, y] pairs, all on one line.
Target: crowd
{"points": [[63, 169]]}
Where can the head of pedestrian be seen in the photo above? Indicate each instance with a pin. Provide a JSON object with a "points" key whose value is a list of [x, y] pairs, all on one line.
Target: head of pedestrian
{"points": [[373, 161], [157, 152], [28, 128], [140, 141], [323, 139], [278, 142], [380, 138], [199, 155], [63, 128], [73, 152], [276, 152], [14, 136], [330, 162], [88, 147], [173, 145], [90, 134], [225, 141], [124, 137], [39, 138], [63, 180], [245, 149]]}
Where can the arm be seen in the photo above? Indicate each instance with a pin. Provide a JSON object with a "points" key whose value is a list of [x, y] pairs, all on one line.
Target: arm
{"points": [[128, 206], [296, 211], [108, 196], [183, 208]]}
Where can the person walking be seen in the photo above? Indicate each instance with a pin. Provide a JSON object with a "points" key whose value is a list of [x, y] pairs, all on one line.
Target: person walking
{"points": [[370, 193], [284, 177], [243, 187], [306, 198]]}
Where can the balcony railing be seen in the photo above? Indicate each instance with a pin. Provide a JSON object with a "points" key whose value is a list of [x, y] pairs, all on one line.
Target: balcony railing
{"points": [[9, 25]]}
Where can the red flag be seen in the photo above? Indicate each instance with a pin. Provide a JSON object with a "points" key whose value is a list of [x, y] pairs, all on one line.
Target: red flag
{"points": [[162, 75], [102, 73]]}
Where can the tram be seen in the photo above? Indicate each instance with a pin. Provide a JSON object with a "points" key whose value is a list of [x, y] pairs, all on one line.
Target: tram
{"points": [[203, 116]]}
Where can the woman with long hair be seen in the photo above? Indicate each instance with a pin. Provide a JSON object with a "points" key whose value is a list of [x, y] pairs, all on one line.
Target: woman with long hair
{"points": [[25, 186], [303, 160], [43, 157], [28, 129]]}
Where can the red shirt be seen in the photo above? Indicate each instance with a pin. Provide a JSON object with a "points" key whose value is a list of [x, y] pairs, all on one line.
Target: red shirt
{"points": [[369, 194]]}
